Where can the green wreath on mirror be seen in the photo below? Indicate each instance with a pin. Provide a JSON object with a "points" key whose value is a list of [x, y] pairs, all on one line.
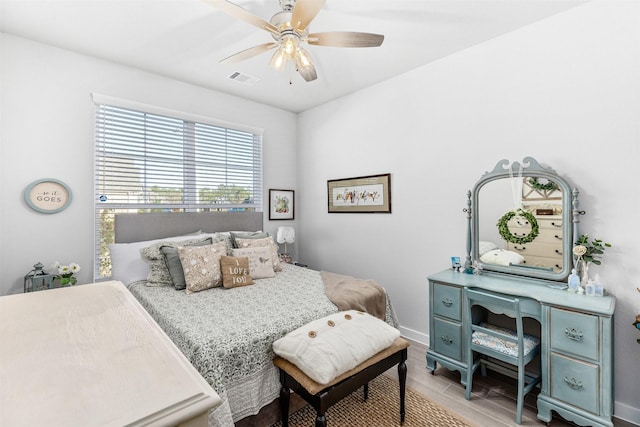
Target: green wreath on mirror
{"points": [[549, 186], [505, 232]]}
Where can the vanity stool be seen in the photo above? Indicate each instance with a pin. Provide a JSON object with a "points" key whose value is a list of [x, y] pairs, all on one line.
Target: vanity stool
{"points": [[510, 346], [322, 396]]}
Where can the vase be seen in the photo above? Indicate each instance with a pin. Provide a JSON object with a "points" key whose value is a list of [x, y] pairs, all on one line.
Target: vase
{"points": [[583, 270]]}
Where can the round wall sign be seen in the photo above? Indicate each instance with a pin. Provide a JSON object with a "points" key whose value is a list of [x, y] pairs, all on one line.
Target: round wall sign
{"points": [[48, 195]]}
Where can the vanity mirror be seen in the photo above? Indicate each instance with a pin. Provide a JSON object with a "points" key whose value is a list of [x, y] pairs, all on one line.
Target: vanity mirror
{"points": [[522, 218]]}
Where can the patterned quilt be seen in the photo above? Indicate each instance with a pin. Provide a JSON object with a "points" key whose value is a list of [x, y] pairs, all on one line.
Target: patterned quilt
{"points": [[227, 334]]}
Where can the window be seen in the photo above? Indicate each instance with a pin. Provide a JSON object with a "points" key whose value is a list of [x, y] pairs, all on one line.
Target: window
{"points": [[151, 161]]}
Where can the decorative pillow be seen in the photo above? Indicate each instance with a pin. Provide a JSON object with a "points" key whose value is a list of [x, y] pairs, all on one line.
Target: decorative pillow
{"points": [[333, 345], [484, 247], [260, 243], [158, 271], [235, 272], [260, 264], [502, 257], [173, 264], [201, 266], [128, 265], [246, 235], [221, 236]]}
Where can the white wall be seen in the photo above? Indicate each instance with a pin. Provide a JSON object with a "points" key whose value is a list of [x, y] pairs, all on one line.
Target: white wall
{"points": [[47, 132], [564, 90]]}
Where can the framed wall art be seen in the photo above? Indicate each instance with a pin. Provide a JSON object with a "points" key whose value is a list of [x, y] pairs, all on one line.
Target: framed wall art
{"points": [[281, 204], [364, 194], [48, 195]]}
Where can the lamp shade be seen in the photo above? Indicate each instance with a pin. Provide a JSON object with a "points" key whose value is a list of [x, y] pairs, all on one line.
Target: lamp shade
{"points": [[286, 235]]}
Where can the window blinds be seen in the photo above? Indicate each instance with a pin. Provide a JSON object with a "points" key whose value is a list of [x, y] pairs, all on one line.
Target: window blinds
{"points": [[149, 162]]}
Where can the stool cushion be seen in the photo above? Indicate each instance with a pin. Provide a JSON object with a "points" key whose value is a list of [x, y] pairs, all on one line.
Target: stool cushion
{"points": [[502, 345], [328, 347], [313, 387]]}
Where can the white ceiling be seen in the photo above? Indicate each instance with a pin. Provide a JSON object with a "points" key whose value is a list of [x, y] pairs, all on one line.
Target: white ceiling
{"points": [[186, 39]]}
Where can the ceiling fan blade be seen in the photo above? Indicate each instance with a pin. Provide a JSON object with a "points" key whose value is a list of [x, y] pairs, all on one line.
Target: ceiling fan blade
{"points": [[345, 39], [248, 53], [243, 14], [304, 11]]}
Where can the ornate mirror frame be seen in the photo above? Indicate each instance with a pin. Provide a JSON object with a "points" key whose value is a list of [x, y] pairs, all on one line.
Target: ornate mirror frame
{"points": [[570, 218]]}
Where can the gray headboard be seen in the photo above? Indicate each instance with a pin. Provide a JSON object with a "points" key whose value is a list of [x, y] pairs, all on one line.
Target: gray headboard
{"points": [[139, 227]]}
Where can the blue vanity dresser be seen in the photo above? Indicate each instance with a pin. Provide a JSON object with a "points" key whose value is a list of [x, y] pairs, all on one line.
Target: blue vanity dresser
{"points": [[522, 224], [576, 337]]}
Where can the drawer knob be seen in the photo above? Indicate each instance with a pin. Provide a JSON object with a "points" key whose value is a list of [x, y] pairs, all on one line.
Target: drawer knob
{"points": [[573, 383], [573, 334], [519, 248], [556, 224], [447, 302], [447, 340]]}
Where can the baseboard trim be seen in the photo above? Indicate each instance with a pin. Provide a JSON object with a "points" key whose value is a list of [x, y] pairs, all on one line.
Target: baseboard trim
{"points": [[414, 335], [626, 413]]}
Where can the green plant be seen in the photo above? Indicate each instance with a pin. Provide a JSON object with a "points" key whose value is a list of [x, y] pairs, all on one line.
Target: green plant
{"points": [[590, 251]]}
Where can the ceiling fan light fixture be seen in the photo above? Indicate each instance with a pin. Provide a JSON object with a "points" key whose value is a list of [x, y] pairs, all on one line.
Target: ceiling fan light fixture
{"points": [[278, 60], [289, 44], [303, 59]]}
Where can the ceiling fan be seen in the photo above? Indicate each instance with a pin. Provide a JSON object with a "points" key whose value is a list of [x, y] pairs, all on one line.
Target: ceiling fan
{"points": [[290, 29]]}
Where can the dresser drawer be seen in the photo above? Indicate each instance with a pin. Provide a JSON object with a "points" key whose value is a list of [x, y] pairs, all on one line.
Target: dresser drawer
{"points": [[447, 301], [550, 222], [536, 248], [574, 333], [447, 338], [554, 264], [575, 382], [550, 235]]}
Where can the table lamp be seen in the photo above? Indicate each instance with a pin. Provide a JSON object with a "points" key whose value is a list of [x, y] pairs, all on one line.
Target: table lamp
{"points": [[286, 235]]}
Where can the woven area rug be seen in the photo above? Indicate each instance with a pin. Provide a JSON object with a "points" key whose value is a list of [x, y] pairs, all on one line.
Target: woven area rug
{"points": [[382, 409]]}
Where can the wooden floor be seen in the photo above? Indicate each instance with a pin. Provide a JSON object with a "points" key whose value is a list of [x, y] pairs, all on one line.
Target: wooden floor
{"points": [[493, 400]]}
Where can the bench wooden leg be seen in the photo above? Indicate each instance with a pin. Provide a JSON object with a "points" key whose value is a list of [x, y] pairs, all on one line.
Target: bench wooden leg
{"points": [[321, 421], [402, 377], [366, 391], [285, 396]]}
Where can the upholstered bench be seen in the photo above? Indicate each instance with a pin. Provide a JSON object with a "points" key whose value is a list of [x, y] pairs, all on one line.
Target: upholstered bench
{"points": [[316, 360]]}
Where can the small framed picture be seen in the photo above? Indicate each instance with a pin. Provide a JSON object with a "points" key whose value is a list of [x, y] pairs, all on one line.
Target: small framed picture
{"points": [[281, 204], [455, 263]]}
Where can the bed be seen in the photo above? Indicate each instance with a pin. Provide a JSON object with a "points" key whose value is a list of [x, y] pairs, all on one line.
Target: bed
{"points": [[227, 334]]}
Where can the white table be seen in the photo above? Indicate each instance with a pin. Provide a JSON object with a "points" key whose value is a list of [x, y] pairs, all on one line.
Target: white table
{"points": [[92, 356]]}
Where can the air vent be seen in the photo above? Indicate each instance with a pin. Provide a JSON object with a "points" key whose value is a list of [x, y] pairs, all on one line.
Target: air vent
{"points": [[245, 79]]}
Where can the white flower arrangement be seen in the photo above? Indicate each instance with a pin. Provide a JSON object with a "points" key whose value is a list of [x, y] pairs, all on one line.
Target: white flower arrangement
{"points": [[66, 272]]}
